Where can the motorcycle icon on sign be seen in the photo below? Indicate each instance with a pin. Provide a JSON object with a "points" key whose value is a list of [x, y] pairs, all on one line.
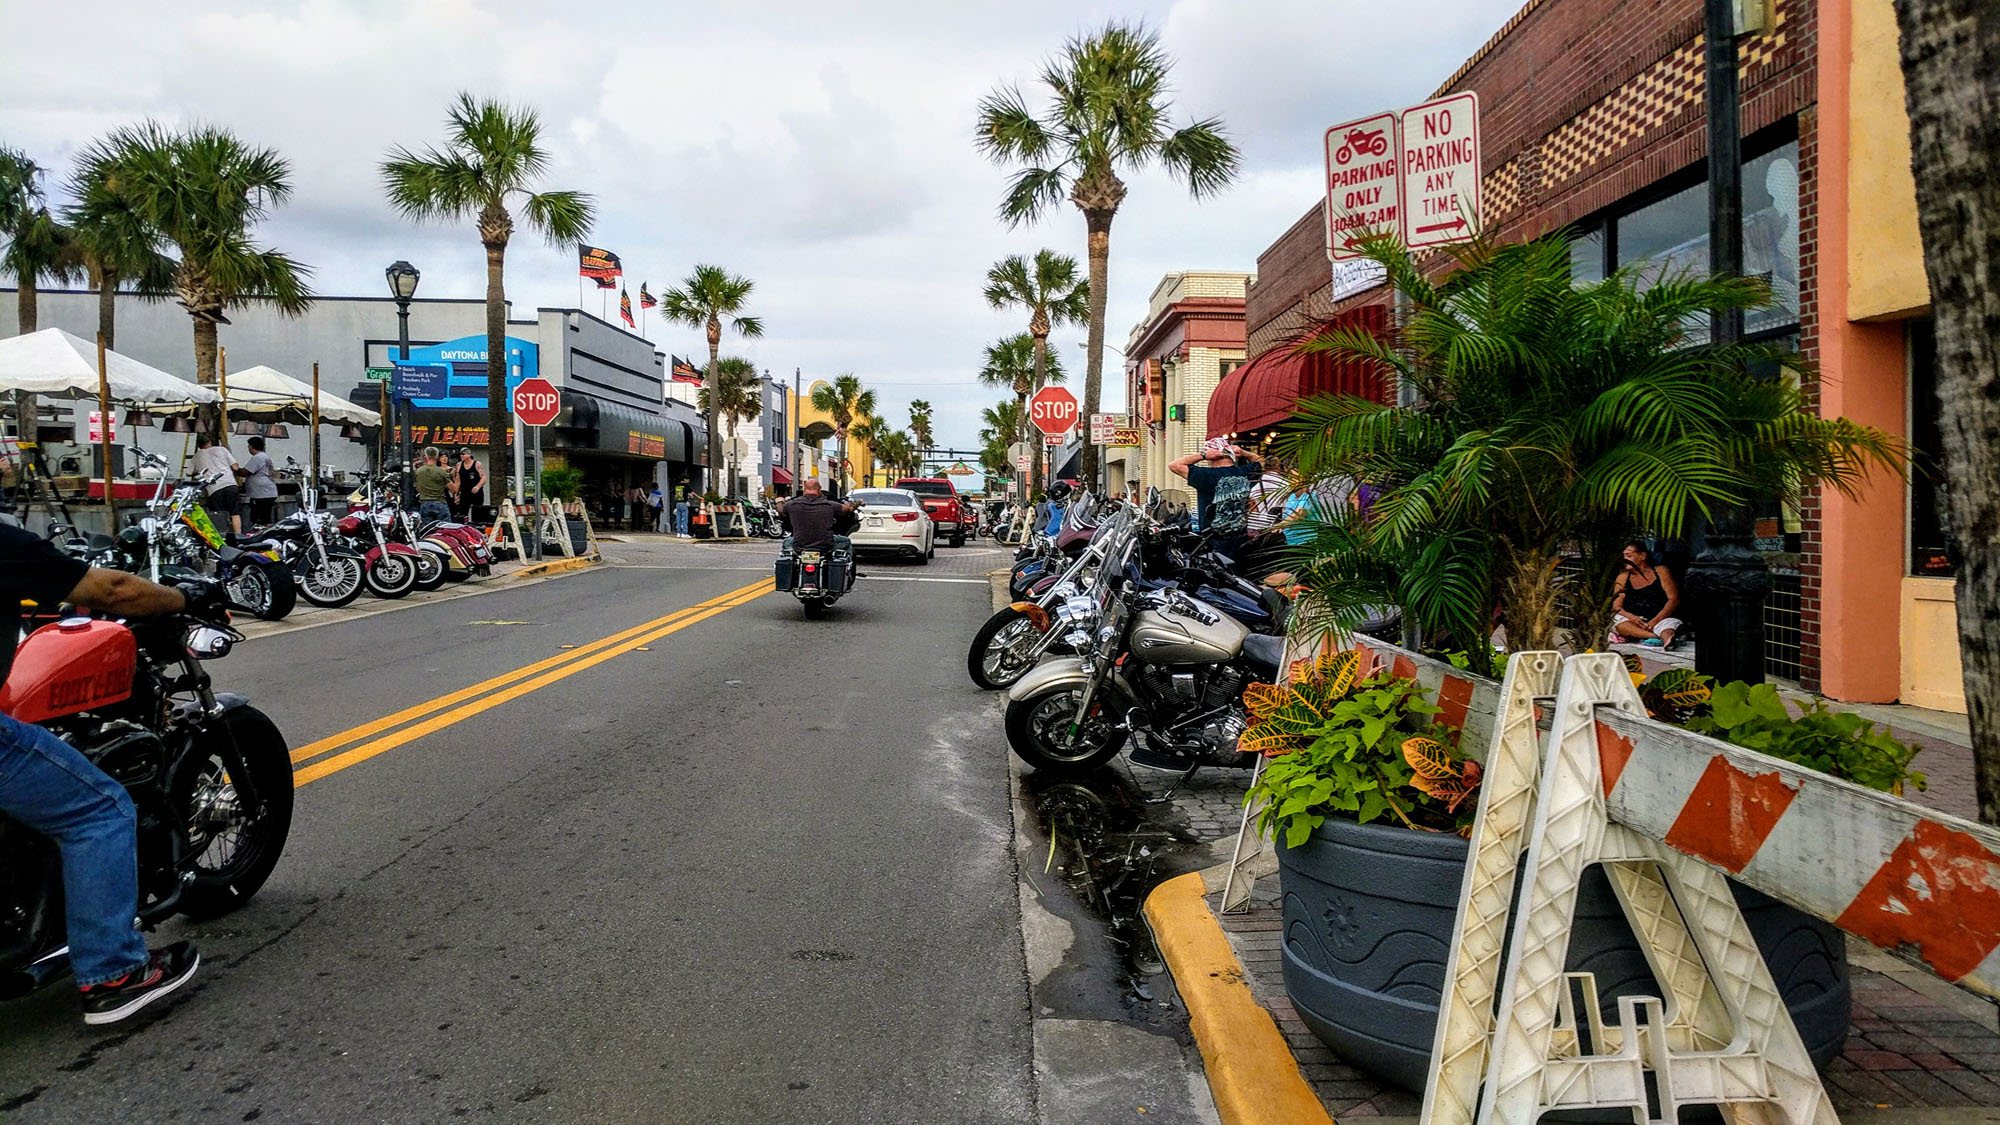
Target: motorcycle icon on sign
{"points": [[1361, 142]]}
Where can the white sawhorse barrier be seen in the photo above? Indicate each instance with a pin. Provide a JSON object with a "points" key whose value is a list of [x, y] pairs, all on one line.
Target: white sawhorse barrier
{"points": [[1671, 816]]}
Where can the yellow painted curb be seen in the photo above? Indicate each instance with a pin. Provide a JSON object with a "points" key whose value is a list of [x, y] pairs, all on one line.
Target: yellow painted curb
{"points": [[1251, 1072], [556, 567]]}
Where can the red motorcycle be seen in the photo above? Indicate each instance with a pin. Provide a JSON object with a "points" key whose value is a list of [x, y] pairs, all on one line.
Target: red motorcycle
{"points": [[388, 568], [210, 775]]}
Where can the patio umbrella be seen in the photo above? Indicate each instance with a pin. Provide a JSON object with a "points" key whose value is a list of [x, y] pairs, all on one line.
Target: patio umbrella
{"points": [[265, 394]]}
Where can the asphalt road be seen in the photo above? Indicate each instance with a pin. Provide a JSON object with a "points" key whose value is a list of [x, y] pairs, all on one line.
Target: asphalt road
{"points": [[737, 866]]}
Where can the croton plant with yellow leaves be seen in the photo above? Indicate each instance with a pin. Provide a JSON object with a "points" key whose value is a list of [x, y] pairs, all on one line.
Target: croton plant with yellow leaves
{"points": [[1364, 748]]}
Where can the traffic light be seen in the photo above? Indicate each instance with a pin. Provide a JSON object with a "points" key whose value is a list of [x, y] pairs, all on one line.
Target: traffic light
{"points": [[1177, 412]]}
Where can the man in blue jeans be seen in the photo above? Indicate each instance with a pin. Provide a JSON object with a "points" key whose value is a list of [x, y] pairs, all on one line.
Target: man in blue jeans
{"points": [[48, 786]]}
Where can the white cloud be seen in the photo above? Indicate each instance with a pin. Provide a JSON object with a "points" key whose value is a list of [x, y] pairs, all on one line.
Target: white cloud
{"points": [[823, 151]]}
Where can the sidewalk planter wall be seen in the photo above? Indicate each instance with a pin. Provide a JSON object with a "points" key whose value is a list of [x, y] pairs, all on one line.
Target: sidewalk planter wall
{"points": [[1369, 912]]}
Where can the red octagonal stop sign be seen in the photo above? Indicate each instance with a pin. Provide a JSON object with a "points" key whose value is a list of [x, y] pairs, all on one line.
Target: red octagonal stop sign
{"points": [[1053, 410], [536, 402]]}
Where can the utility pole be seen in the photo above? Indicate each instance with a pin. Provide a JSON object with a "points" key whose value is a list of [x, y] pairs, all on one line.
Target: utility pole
{"points": [[1728, 580]]}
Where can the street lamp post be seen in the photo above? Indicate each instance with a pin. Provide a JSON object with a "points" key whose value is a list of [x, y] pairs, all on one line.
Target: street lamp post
{"points": [[403, 286]]}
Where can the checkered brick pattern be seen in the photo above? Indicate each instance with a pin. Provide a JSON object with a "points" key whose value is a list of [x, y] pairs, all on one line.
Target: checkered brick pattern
{"points": [[1669, 88], [1500, 192]]}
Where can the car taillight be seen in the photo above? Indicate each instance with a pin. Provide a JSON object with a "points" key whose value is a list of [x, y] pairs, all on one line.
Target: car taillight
{"points": [[905, 517]]}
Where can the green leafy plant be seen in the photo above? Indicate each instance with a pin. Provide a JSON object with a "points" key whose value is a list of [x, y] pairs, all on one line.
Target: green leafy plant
{"points": [[1367, 749], [562, 484], [1839, 743]]}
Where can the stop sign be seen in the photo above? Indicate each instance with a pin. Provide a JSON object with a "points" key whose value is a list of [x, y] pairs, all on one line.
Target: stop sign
{"points": [[536, 402], [1053, 410]]}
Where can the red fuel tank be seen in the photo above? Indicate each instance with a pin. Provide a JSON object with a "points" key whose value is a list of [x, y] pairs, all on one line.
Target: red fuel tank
{"points": [[71, 666]]}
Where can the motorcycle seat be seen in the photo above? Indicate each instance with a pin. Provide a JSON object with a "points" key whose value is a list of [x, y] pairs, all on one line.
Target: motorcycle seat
{"points": [[1265, 653]]}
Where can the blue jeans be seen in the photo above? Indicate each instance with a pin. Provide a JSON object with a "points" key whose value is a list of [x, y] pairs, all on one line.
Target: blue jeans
{"points": [[52, 789], [434, 510], [681, 519]]}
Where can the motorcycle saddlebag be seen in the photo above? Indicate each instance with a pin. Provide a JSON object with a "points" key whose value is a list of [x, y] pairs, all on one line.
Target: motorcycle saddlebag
{"points": [[785, 566]]}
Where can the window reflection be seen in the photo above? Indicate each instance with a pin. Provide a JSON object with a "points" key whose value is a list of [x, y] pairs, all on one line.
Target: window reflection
{"points": [[1771, 234]]}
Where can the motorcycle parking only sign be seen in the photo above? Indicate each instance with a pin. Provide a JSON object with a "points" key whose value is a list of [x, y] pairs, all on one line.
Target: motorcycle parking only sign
{"points": [[1413, 173], [1364, 184]]}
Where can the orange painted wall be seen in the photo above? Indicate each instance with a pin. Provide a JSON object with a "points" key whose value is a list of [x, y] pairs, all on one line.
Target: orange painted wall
{"points": [[1862, 377]]}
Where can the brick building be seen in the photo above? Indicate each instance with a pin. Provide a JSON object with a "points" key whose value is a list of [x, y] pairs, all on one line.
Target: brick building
{"points": [[1593, 118]]}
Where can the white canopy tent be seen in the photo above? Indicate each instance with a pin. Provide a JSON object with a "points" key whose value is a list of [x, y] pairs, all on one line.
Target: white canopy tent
{"points": [[52, 362], [265, 393]]}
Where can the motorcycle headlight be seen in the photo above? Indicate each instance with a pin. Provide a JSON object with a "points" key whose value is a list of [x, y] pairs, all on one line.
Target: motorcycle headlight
{"points": [[204, 642]]}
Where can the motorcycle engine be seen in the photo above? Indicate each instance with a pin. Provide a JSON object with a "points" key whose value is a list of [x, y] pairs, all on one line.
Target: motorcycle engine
{"points": [[136, 759], [1178, 693]]}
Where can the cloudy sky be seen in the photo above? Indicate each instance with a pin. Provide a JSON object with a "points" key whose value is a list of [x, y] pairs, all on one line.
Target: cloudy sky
{"points": [[823, 150]]}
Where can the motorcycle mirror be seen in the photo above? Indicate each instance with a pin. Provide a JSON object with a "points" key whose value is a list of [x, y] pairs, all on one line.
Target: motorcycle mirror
{"points": [[205, 642]]}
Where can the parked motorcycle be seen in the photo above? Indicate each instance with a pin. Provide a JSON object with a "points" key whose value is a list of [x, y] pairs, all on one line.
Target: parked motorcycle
{"points": [[175, 538], [1164, 671], [209, 774], [389, 568], [762, 522], [328, 571]]}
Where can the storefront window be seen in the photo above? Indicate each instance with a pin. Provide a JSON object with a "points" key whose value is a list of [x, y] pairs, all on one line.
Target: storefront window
{"points": [[1667, 238], [1586, 257], [1931, 555], [1771, 234]]}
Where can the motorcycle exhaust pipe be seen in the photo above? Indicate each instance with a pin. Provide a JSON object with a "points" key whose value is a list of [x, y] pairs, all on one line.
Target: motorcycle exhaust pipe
{"points": [[27, 979]]}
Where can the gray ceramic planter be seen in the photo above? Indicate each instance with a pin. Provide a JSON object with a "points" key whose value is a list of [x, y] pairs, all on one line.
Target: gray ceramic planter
{"points": [[1368, 914]]}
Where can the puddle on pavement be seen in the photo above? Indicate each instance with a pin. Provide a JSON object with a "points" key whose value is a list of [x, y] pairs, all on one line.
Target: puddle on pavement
{"points": [[1108, 849]]}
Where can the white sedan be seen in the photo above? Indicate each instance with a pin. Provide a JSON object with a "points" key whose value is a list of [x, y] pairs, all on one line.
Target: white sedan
{"points": [[893, 520]]}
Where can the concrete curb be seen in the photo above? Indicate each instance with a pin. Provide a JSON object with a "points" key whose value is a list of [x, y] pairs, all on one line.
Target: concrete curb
{"points": [[1251, 1071], [537, 570]]}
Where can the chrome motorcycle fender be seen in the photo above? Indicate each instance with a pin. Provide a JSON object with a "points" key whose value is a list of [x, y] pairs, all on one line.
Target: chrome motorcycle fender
{"points": [[1063, 671]]}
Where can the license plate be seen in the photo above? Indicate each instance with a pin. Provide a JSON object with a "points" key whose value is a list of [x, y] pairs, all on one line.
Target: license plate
{"points": [[874, 523]]}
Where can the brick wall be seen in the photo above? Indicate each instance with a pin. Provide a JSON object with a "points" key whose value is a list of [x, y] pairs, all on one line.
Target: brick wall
{"points": [[1582, 103], [1809, 348]]}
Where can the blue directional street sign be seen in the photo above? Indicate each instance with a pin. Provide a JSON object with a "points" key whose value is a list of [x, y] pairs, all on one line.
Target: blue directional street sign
{"points": [[420, 380]]}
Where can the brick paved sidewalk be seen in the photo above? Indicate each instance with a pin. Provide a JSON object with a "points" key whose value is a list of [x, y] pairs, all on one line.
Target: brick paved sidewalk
{"points": [[1916, 1041]]}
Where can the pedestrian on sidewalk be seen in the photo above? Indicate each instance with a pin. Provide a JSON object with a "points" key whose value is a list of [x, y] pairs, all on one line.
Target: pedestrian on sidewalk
{"points": [[434, 487], [471, 486], [635, 499], [1643, 609], [656, 504], [223, 498], [681, 510], [260, 485]]}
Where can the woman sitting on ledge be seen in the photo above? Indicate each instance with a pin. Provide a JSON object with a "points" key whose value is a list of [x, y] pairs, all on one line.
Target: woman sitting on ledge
{"points": [[1643, 609]]}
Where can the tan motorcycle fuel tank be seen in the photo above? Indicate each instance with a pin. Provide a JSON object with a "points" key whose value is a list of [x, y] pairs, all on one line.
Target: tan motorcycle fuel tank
{"points": [[1172, 635]]}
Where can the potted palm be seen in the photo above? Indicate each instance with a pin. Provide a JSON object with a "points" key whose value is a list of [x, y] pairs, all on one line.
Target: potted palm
{"points": [[1550, 420]]}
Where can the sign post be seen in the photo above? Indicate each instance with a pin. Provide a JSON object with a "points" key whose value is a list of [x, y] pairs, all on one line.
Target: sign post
{"points": [[535, 402], [1104, 428]]}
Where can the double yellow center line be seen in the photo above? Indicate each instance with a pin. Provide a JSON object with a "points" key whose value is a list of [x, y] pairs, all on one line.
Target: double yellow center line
{"points": [[361, 743]]}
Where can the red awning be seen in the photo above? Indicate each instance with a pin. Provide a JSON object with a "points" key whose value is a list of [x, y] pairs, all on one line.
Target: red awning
{"points": [[1267, 390], [780, 475]]}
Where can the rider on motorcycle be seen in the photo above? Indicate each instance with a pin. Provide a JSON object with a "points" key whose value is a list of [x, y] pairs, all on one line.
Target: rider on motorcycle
{"points": [[816, 522], [48, 786]]}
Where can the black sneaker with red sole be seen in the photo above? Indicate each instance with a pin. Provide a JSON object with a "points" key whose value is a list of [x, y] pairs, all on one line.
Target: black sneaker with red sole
{"points": [[166, 970]]}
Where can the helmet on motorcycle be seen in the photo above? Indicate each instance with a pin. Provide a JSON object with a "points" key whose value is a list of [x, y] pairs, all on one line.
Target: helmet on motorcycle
{"points": [[1059, 491]]}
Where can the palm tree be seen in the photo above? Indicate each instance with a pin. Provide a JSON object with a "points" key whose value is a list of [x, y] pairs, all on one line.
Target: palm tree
{"points": [[1552, 419], [1011, 363], [491, 157], [1049, 289], [202, 191], [869, 429], [843, 400], [113, 240], [39, 246], [739, 396], [708, 296], [920, 423], [898, 452], [1107, 113], [1000, 429]]}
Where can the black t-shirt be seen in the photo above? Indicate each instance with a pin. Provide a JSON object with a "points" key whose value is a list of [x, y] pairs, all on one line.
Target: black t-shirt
{"points": [[31, 569], [814, 521]]}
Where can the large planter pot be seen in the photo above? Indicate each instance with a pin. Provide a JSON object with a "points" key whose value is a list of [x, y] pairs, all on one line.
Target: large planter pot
{"points": [[1369, 912]]}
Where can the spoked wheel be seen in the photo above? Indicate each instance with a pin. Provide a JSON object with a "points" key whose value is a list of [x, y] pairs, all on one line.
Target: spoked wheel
{"points": [[332, 581], [430, 570], [266, 592], [1042, 731], [1003, 650], [392, 576], [236, 797]]}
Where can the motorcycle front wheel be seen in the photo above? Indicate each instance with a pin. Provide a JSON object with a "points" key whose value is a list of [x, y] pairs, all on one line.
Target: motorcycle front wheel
{"points": [[234, 841], [392, 576], [332, 581], [430, 570], [1039, 730], [1001, 650], [265, 591]]}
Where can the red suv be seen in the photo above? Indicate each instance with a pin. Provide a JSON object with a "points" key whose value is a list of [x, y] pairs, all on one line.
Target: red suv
{"points": [[942, 504]]}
